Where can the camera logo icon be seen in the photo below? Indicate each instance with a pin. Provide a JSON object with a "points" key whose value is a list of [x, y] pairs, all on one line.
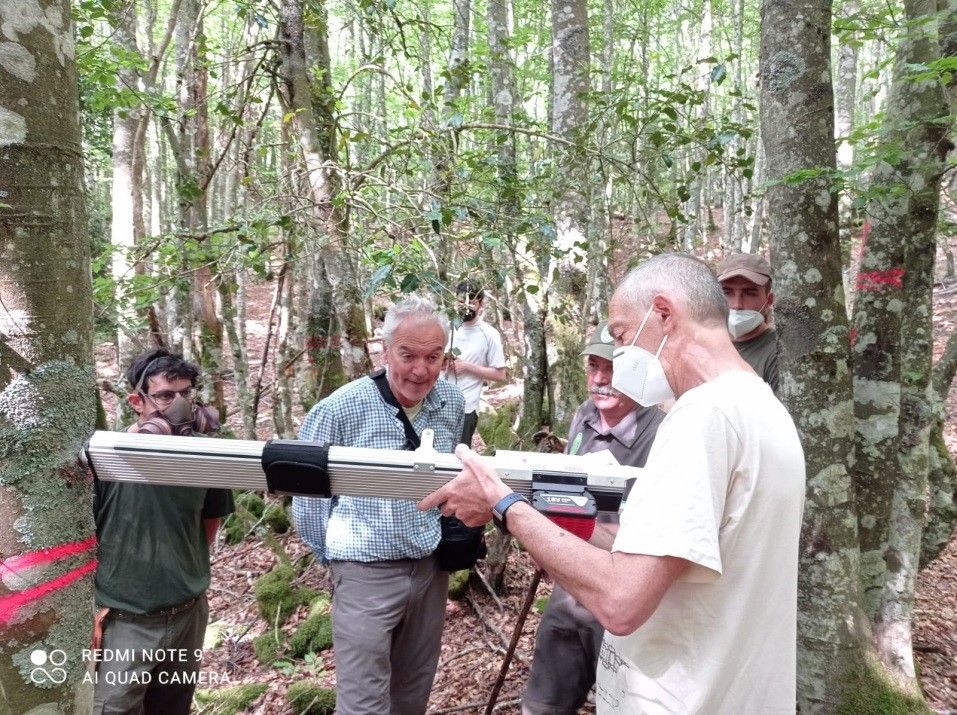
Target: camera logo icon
{"points": [[48, 668]]}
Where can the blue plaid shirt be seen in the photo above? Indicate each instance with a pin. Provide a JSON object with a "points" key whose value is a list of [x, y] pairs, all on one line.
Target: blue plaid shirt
{"points": [[370, 528]]}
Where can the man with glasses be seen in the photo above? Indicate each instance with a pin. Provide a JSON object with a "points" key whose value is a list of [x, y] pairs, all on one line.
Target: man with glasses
{"points": [[153, 560]]}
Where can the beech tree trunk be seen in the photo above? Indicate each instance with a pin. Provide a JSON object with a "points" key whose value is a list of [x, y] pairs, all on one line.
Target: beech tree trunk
{"points": [[569, 117], [47, 391], [893, 347], [797, 124], [314, 122]]}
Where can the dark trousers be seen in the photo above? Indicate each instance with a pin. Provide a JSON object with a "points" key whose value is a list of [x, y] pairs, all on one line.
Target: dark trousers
{"points": [[468, 427], [135, 679]]}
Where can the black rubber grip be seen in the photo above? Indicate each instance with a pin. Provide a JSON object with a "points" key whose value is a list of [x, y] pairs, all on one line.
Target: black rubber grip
{"points": [[296, 468]]}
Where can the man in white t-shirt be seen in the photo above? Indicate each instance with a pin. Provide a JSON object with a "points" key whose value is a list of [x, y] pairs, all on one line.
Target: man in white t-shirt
{"points": [[475, 354], [699, 594]]}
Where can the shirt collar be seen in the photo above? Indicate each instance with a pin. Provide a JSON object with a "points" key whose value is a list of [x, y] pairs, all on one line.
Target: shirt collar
{"points": [[626, 431]]}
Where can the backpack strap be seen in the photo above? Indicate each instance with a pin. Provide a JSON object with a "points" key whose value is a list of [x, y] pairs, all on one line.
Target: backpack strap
{"points": [[382, 382]]}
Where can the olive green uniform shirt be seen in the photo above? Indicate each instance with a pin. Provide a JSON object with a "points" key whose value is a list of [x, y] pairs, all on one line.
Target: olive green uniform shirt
{"points": [[761, 353], [152, 550]]}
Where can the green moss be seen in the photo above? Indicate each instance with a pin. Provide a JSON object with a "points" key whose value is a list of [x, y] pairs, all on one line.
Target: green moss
{"points": [[276, 518], [314, 635], [251, 502], [267, 647], [871, 692], [458, 584], [496, 427], [228, 701], [276, 597], [307, 697], [249, 509]]}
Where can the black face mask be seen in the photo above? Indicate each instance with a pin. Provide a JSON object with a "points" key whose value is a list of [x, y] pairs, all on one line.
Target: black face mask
{"points": [[467, 313]]}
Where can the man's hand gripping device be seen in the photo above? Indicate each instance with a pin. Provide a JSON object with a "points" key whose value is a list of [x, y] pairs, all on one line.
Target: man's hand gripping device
{"points": [[570, 489]]}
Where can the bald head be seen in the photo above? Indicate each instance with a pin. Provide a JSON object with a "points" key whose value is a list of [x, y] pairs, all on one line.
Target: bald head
{"points": [[685, 279]]}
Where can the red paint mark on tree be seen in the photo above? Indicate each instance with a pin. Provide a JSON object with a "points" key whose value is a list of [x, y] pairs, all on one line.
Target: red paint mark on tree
{"points": [[11, 604], [876, 280], [45, 556], [853, 335]]}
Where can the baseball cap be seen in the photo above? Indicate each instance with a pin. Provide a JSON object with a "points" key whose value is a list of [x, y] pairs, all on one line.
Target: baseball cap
{"points": [[747, 265], [600, 343]]}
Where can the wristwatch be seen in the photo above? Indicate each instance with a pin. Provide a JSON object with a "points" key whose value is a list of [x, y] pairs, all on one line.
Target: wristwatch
{"points": [[498, 511]]}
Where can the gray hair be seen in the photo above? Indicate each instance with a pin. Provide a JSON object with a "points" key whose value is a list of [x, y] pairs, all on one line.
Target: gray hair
{"points": [[688, 279], [417, 308]]}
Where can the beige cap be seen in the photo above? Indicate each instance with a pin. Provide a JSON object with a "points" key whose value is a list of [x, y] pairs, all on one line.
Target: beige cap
{"points": [[747, 265], [600, 343]]}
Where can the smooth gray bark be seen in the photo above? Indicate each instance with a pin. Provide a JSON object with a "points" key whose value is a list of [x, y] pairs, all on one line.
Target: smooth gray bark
{"points": [[47, 390], [797, 124]]}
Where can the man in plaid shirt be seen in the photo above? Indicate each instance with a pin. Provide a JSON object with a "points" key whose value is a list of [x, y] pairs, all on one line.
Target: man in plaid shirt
{"points": [[389, 595]]}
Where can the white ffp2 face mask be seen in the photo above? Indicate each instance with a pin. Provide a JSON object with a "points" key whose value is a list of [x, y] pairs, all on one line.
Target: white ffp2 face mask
{"points": [[639, 374], [742, 322]]}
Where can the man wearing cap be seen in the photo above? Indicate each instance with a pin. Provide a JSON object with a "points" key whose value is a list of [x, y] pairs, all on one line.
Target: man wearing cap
{"points": [[569, 636], [475, 354], [746, 281]]}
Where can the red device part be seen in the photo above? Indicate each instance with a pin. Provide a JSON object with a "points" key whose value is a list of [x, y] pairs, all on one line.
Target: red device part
{"points": [[582, 527]]}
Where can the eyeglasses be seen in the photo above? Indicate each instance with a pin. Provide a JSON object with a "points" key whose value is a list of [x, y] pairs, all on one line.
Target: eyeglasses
{"points": [[166, 397]]}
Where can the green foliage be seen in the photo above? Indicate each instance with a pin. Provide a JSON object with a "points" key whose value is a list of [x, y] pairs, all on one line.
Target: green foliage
{"points": [[495, 427], [307, 697], [277, 598], [541, 603], [249, 510], [229, 701]]}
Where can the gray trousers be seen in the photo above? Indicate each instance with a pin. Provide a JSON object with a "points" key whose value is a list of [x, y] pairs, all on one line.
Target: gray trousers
{"points": [[146, 660], [387, 619]]}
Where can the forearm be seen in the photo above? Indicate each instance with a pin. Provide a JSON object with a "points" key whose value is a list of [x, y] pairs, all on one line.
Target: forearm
{"points": [[488, 374], [621, 590], [604, 535]]}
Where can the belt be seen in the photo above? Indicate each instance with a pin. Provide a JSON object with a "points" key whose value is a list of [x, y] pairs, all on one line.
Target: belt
{"points": [[168, 611]]}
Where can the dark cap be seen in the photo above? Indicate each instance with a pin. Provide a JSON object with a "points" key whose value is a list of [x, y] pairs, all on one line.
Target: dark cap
{"points": [[747, 265], [600, 343]]}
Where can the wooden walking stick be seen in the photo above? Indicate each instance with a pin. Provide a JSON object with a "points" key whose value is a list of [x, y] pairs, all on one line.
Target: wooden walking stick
{"points": [[516, 634]]}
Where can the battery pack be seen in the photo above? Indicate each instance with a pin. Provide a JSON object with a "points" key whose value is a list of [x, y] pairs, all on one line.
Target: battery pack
{"points": [[575, 513]]}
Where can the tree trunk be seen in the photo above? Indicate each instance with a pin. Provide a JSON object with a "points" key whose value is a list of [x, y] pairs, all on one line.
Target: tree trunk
{"points": [[126, 190], [505, 100], [569, 120], [797, 124], [315, 125], [693, 231], [942, 473], [47, 392], [845, 100], [893, 346]]}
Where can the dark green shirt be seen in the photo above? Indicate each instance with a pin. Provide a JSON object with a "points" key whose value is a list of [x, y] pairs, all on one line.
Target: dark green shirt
{"points": [[761, 353], [152, 543]]}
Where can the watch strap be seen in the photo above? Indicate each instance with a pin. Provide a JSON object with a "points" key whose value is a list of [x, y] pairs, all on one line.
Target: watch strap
{"points": [[503, 505]]}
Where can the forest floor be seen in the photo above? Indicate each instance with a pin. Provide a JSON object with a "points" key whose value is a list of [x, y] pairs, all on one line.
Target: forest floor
{"points": [[478, 628]]}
